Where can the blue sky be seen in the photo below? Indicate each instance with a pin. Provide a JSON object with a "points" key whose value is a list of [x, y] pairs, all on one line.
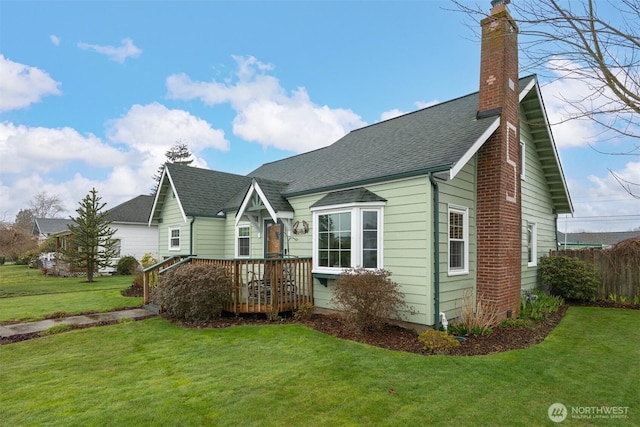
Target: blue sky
{"points": [[93, 93]]}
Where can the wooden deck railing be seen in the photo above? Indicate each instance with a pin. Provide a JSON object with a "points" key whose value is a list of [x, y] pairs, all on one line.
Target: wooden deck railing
{"points": [[271, 285]]}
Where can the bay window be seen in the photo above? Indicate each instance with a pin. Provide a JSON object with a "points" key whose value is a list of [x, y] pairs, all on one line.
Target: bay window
{"points": [[350, 236]]}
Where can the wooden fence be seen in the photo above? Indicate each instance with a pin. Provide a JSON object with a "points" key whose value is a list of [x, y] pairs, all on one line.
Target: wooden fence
{"points": [[619, 272]]}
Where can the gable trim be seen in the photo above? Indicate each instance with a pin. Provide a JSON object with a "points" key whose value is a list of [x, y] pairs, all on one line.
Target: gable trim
{"points": [[474, 148], [166, 174]]}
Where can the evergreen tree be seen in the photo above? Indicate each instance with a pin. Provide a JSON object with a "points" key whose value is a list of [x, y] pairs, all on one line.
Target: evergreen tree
{"points": [[179, 154], [91, 245]]}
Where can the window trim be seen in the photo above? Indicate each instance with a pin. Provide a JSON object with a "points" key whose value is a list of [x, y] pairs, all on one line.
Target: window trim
{"points": [[238, 237], [464, 211], [356, 210], [170, 230], [533, 261], [523, 160]]}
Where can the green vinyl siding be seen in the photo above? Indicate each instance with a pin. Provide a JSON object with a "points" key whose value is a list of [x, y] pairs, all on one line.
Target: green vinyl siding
{"points": [[407, 247], [459, 192], [172, 218], [209, 237], [537, 207]]}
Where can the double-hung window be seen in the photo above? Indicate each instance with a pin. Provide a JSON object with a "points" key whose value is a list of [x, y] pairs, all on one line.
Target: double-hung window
{"points": [[243, 241], [532, 244], [458, 240], [174, 239], [347, 236]]}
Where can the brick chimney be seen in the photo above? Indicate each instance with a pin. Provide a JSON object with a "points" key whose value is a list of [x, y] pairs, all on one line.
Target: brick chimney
{"points": [[498, 218]]}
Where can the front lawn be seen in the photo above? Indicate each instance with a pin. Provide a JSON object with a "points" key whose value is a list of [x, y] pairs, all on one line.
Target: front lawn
{"points": [[153, 372], [25, 294]]}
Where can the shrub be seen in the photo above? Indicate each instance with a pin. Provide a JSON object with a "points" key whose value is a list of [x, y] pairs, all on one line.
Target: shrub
{"points": [[304, 312], [367, 298], [569, 278], [2, 260], [194, 292], [479, 316], [537, 305], [437, 341], [127, 265], [147, 261]]}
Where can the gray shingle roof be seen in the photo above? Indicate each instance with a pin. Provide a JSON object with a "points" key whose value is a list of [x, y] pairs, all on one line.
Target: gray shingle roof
{"points": [[48, 226], [413, 144], [205, 192], [136, 210], [354, 195]]}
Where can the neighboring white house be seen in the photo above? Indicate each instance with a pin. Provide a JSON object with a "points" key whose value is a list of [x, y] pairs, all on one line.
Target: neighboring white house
{"points": [[134, 235]]}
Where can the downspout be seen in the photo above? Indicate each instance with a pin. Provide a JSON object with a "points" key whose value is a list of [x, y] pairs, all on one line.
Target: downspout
{"points": [[193, 219], [436, 253]]}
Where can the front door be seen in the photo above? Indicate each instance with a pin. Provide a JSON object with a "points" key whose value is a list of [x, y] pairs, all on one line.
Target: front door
{"points": [[273, 245]]}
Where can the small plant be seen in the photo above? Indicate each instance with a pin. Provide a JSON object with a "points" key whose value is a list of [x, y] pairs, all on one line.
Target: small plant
{"points": [[194, 292], [480, 316], [127, 265], [305, 311], [437, 341], [569, 278], [458, 329], [537, 305], [367, 298], [613, 297], [636, 300], [624, 299], [57, 329]]}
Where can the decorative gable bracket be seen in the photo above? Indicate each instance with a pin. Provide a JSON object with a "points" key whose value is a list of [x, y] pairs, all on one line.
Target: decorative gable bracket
{"points": [[256, 206]]}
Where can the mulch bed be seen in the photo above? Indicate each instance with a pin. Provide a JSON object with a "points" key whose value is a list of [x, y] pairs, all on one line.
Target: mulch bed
{"points": [[397, 338]]}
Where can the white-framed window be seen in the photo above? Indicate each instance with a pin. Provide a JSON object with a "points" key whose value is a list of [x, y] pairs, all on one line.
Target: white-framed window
{"points": [[532, 244], [243, 241], [523, 159], [458, 240], [347, 236], [174, 239]]}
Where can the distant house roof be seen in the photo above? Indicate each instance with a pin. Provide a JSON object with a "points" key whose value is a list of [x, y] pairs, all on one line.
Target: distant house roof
{"points": [[49, 226], [596, 238], [136, 210], [200, 192]]}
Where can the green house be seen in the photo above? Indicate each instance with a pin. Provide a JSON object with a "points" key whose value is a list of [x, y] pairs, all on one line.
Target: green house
{"points": [[460, 197]]}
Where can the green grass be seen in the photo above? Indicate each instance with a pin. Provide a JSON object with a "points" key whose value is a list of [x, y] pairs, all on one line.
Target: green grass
{"points": [[153, 372], [25, 294]]}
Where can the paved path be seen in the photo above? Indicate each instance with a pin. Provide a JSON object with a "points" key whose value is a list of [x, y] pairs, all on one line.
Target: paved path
{"points": [[85, 319]]}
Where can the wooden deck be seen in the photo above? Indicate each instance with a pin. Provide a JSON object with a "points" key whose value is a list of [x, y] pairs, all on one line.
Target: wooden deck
{"points": [[269, 285]]}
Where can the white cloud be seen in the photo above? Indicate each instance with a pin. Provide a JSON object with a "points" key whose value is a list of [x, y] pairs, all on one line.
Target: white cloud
{"points": [[45, 149], [153, 128], [54, 39], [22, 85], [602, 204], [265, 112], [573, 92], [386, 115], [117, 54]]}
